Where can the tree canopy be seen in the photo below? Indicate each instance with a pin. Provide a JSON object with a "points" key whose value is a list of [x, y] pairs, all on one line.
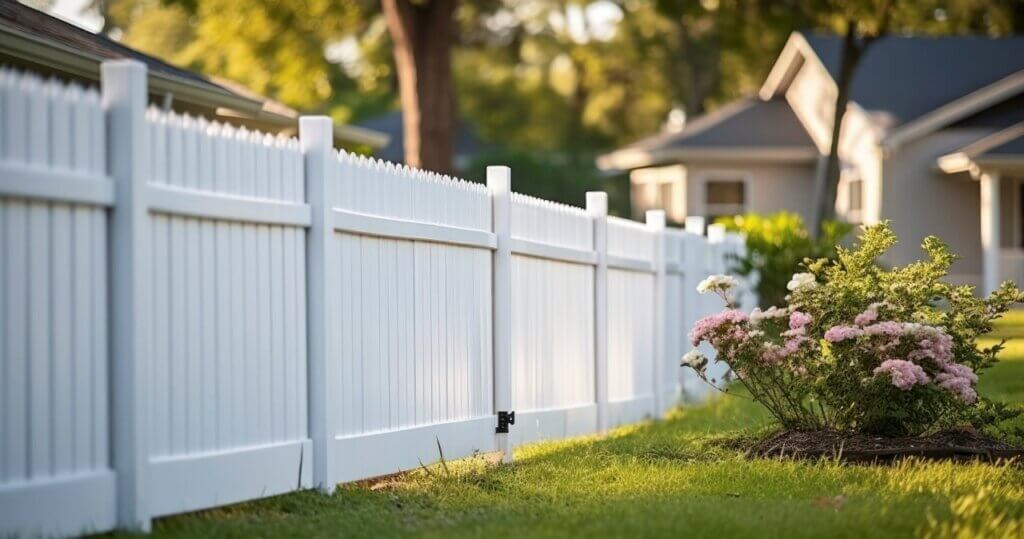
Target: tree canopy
{"points": [[565, 77]]}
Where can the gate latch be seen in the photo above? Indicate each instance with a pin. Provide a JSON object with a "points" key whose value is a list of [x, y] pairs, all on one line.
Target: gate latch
{"points": [[504, 420]]}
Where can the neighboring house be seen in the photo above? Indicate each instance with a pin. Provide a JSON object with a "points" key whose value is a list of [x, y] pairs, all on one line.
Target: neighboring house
{"points": [[467, 143], [35, 41], [931, 141]]}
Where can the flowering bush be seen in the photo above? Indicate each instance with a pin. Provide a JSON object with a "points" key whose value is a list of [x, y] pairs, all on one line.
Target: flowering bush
{"points": [[861, 348]]}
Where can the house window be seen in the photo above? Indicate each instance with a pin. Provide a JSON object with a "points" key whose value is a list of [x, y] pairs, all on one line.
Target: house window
{"points": [[723, 198], [659, 188], [854, 200], [856, 191]]}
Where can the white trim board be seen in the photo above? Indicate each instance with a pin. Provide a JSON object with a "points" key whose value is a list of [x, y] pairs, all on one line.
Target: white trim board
{"points": [[626, 411], [55, 185], [559, 253], [554, 423], [362, 456], [200, 481], [387, 227], [73, 505], [225, 207]]}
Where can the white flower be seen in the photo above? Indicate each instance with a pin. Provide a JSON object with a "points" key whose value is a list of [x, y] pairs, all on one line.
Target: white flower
{"points": [[801, 280], [695, 360], [712, 283], [757, 315], [755, 334]]}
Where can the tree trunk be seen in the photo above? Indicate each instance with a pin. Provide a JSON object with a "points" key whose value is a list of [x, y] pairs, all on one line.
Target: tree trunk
{"points": [[422, 33], [827, 184]]}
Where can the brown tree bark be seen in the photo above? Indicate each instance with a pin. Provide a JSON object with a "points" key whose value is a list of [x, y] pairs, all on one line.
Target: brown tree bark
{"points": [[828, 182], [854, 47], [422, 32]]}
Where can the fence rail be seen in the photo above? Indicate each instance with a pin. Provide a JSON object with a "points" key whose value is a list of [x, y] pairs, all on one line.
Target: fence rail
{"points": [[194, 315]]}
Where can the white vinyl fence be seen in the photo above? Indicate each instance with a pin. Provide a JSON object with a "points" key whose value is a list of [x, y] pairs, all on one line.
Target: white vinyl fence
{"points": [[193, 315]]}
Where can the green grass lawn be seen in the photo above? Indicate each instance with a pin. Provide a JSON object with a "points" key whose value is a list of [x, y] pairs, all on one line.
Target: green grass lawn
{"points": [[661, 479]]}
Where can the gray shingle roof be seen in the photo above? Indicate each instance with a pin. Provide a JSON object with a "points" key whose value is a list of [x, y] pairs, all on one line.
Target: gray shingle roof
{"points": [[36, 23], [1011, 147], [907, 77], [745, 123]]}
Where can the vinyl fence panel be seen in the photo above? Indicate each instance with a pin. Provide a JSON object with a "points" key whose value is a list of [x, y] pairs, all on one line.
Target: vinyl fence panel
{"points": [[553, 385], [227, 359], [411, 347], [54, 369], [631, 321]]}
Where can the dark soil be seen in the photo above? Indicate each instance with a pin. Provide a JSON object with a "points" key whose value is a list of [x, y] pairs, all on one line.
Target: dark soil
{"points": [[960, 445]]}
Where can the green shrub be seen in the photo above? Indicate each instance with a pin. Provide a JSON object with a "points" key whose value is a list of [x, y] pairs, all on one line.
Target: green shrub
{"points": [[862, 348], [776, 245]]}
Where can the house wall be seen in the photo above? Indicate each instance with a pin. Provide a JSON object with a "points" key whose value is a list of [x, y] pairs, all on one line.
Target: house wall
{"points": [[921, 201], [771, 187], [812, 94]]}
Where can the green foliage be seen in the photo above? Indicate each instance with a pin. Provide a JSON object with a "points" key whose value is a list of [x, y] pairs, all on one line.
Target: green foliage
{"points": [[864, 348], [776, 246]]}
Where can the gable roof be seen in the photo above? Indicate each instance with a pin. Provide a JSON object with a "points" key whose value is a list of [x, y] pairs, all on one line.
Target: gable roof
{"points": [[908, 77], [749, 127]]}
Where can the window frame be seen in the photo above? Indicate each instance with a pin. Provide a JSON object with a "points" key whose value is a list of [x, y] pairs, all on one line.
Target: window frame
{"points": [[706, 177]]}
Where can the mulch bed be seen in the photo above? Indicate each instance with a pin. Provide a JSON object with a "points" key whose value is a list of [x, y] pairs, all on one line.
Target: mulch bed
{"points": [[863, 448]]}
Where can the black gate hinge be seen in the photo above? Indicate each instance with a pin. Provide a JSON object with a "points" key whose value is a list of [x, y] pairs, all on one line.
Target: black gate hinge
{"points": [[504, 420]]}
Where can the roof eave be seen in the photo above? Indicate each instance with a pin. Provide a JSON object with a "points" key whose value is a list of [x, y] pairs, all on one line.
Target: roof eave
{"points": [[955, 110], [628, 159], [59, 57], [342, 132]]}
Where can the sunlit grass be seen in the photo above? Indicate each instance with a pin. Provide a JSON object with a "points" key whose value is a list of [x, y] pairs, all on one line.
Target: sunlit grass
{"points": [[658, 479]]}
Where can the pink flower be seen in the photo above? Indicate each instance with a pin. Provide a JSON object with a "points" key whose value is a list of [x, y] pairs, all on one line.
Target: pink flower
{"points": [[866, 317], [798, 320], [707, 326], [841, 333], [884, 328], [904, 374], [959, 380]]}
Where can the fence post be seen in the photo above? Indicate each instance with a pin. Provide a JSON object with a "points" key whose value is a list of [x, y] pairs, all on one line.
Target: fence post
{"points": [[499, 185], [597, 207], [656, 224], [124, 99], [316, 138]]}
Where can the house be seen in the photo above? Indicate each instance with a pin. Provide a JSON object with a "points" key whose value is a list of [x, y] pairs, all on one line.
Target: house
{"points": [[35, 41], [931, 141], [466, 147]]}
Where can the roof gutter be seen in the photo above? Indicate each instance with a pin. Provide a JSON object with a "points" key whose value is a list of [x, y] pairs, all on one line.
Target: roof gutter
{"points": [[58, 57], [628, 159]]}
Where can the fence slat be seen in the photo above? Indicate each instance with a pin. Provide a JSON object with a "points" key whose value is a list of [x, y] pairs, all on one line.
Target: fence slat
{"points": [[499, 184], [316, 136], [124, 96], [597, 207]]}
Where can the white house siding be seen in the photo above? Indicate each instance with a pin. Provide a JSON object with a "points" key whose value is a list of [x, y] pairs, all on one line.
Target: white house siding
{"points": [[771, 187], [921, 201]]}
